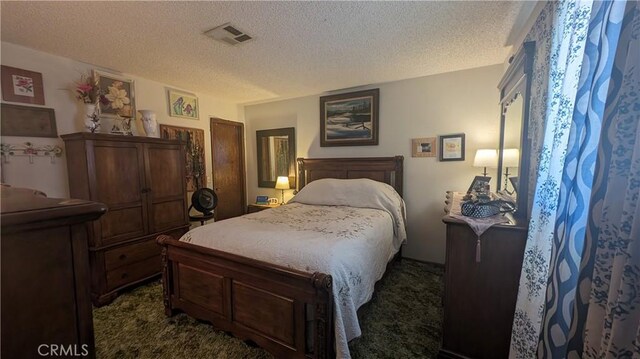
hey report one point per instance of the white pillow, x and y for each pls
(361, 193)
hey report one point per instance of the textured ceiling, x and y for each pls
(299, 48)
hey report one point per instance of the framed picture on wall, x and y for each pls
(423, 147)
(117, 97)
(182, 104)
(452, 147)
(20, 85)
(349, 119)
(28, 121)
(195, 162)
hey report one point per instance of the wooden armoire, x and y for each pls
(142, 181)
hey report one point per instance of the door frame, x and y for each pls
(243, 174)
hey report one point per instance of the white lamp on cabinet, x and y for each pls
(486, 158)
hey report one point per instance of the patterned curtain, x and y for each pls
(571, 22)
(607, 321)
(577, 177)
(584, 44)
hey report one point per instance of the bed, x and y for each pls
(286, 308)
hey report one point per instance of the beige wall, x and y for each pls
(59, 74)
(463, 101)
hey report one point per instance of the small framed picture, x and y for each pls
(117, 97)
(20, 85)
(452, 147)
(423, 147)
(182, 104)
(28, 121)
(479, 183)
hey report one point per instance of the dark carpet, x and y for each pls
(403, 320)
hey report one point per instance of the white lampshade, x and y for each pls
(511, 157)
(486, 158)
(282, 182)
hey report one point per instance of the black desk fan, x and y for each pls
(204, 200)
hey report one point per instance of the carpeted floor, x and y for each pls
(403, 320)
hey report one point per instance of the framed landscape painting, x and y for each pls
(182, 104)
(194, 139)
(349, 119)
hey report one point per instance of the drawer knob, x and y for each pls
(122, 256)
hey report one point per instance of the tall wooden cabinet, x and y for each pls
(480, 296)
(142, 181)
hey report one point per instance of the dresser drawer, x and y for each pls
(131, 253)
(133, 272)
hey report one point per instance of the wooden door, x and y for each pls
(227, 153)
(119, 183)
(166, 186)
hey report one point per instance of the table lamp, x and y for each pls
(282, 183)
(510, 158)
(486, 158)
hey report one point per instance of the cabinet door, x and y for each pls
(119, 182)
(166, 183)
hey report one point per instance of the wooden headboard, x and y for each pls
(382, 169)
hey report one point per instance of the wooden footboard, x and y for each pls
(285, 311)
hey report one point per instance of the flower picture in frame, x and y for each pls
(182, 104)
(349, 119)
(452, 147)
(20, 85)
(423, 147)
(117, 95)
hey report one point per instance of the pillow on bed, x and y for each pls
(361, 193)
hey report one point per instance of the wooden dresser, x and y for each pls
(142, 181)
(45, 274)
(480, 297)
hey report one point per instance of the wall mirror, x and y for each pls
(513, 153)
(276, 156)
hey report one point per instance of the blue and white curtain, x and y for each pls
(581, 73)
(569, 34)
(607, 323)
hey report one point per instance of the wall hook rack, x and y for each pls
(30, 150)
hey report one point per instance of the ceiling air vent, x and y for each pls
(229, 34)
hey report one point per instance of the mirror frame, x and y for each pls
(517, 82)
(287, 131)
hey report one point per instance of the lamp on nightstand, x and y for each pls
(510, 159)
(282, 183)
(486, 158)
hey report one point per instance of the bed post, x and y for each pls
(166, 276)
(323, 341)
(300, 179)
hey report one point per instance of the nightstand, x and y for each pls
(253, 208)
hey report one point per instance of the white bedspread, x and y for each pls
(351, 244)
